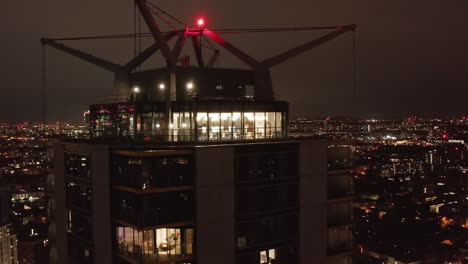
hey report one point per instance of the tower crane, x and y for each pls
(149, 12)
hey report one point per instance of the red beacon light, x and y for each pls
(201, 22)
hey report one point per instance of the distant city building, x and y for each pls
(8, 245)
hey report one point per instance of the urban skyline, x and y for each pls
(144, 132)
(410, 53)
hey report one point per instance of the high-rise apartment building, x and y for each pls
(8, 245)
(191, 165)
(8, 240)
(224, 184)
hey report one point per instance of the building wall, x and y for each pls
(102, 232)
(340, 242)
(8, 245)
(60, 208)
(313, 202)
(5, 203)
(101, 216)
(215, 205)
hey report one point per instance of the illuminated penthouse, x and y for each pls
(190, 164)
(211, 105)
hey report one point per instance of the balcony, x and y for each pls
(143, 172)
(164, 245)
(163, 254)
(340, 184)
(339, 221)
(336, 191)
(340, 249)
(153, 209)
(152, 218)
(340, 241)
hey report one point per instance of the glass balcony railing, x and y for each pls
(336, 191)
(339, 220)
(340, 248)
(164, 252)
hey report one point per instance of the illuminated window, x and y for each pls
(215, 126)
(202, 126)
(260, 125)
(236, 125)
(268, 256)
(226, 126)
(249, 125)
(279, 124)
(155, 243)
(270, 126)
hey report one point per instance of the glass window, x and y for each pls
(77, 165)
(185, 127)
(279, 124)
(260, 125)
(270, 126)
(138, 123)
(102, 123)
(146, 125)
(176, 122)
(124, 120)
(80, 225)
(156, 243)
(226, 126)
(202, 126)
(268, 256)
(249, 125)
(236, 125)
(214, 126)
(78, 195)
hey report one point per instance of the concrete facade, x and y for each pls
(313, 202)
(215, 205)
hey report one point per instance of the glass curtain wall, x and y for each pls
(182, 126)
(239, 125)
(225, 126)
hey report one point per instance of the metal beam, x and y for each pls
(198, 53)
(178, 48)
(138, 60)
(278, 59)
(213, 59)
(155, 31)
(107, 65)
(244, 57)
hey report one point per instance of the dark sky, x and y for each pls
(412, 55)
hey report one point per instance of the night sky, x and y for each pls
(412, 55)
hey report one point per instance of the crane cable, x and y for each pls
(169, 15)
(44, 87)
(355, 78)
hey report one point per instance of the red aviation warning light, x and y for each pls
(200, 22)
